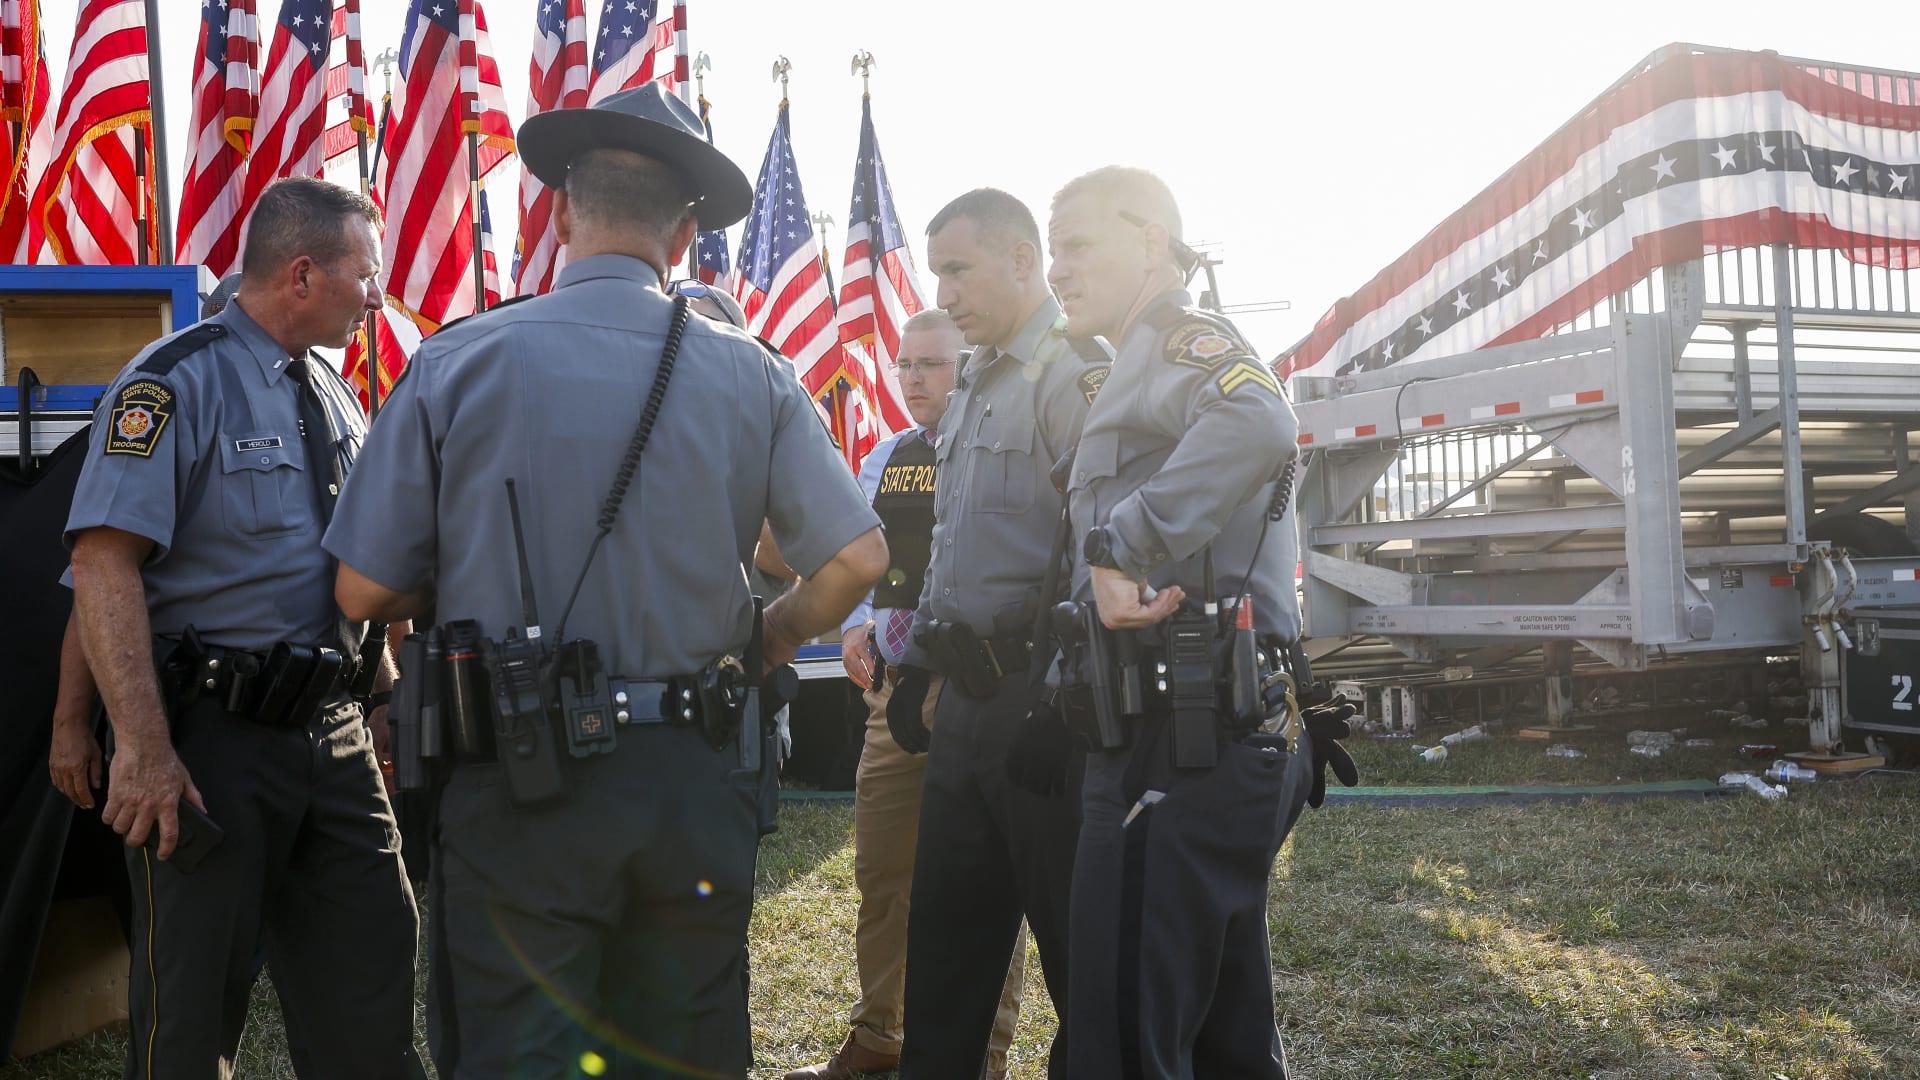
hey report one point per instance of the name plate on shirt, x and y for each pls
(271, 442)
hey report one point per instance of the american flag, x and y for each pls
(349, 113)
(783, 287)
(710, 245)
(293, 97)
(395, 337)
(423, 173)
(634, 36)
(878, 290)
(226, 96)
(89, 198)
(556, 79)
(27, 133)
(1694, 153)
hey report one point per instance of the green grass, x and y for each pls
(1721, 937)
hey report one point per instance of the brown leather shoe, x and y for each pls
(852, 1060)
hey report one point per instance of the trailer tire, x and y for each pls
(1863, 534)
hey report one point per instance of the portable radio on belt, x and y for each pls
(522, 720)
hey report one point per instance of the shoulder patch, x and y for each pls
(1092, 379)
(1200, 344)
(140, 417)
(1248, 372)
(191, 340)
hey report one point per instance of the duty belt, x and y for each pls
(284, 687)
(975, 664)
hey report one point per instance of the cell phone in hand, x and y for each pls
(198, 836)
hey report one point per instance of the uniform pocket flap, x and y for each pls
(1005, 436)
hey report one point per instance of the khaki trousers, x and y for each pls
(886, 825)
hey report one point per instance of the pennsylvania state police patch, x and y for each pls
(140, 417)
(1205, 346)
(1092, 379)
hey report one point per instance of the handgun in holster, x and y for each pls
(957, 653)
(1110, 699)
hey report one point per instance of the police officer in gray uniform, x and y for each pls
(990, 850)
(605, 924)
(1176, 474)
(214, 463)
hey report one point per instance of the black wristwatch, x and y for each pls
(1098, 548)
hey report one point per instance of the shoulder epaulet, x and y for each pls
(1089, 350)
(191, 340)
(509, 302)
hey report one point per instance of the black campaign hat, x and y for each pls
(646, 120)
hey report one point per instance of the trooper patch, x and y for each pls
(140, 417)
(1092, 379)
(1201, 345)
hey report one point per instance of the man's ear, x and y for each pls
(562, 216)
(300, 275)
(1026, 260)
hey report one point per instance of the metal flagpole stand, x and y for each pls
(157, 126)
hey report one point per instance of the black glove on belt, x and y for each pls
(1326, 724)
(1037, 761)
(903, 709)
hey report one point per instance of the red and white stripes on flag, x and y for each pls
(878, 292)
(1698, 152)
(639, 41)
(556, 79)
(293, 97)
(349, 113)
(226, 97)
(90, 198)
(26, 125)
(423, 175)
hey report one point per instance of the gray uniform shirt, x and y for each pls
(1181, 450)
(206, 460)
(547, 391)
(995, 508)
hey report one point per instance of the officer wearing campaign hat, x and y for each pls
(603, 928)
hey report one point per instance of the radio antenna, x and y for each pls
(528, 610)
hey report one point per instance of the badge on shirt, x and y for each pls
(1092, 379)
(139, 418)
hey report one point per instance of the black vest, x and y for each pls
(905, 505)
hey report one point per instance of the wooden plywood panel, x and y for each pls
(78, 339)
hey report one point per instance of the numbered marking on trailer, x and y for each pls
(1903, 701)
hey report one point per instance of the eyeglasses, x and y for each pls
(690, 288)
(904, 368)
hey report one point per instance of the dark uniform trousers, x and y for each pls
(309, 865)
(612, 923)
(1172, 973)
(988, 853)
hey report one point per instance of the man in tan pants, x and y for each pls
(898, 477)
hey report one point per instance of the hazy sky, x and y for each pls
(1314, 142)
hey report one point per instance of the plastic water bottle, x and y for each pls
(1750, 782)
(1564, 751)
(1434, 755)
(1783, 771)
(1464, 735)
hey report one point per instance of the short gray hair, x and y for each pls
(993, 212)
(621, 190)
(302, 215)
(1135, 191)
(932, 318)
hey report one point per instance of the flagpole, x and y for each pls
(157, 124)
(473, 202)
